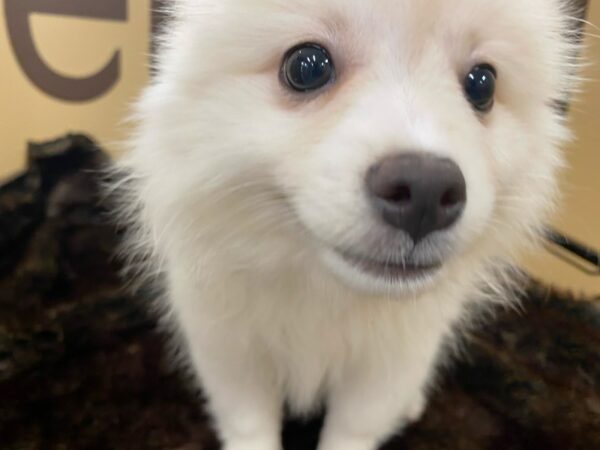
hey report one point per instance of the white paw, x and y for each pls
(256, 443)
(415, 409)
(347, 443)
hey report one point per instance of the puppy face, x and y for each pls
(398, 142)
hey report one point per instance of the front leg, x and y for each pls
(368, 406)
(236, 375)
(243, 399)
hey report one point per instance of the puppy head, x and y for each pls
(398, 142)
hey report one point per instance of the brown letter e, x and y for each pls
(53, 84)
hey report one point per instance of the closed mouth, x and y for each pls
(390, 270)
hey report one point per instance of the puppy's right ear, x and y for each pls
(159, 17)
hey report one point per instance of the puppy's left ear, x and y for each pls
(576, 12)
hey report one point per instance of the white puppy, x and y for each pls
(327, 186)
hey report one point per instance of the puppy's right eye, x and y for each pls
(308, 67)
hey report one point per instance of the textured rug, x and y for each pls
(84, 366)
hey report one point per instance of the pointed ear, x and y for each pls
(158, 17)
(582, 6)
(578, 9)
(577, 12)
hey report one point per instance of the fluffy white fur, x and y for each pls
(240, 191)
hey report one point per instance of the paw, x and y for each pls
(347, 443)
(415, 409)
(253, 443)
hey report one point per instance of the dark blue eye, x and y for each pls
(480, 87)
(308, 67)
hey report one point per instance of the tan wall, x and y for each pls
(78, 47)
(73, 47)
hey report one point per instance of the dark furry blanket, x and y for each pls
(82, 364)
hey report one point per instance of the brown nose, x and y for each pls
(418, 193)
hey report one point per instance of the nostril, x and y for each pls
(452, 197)
(398, 194)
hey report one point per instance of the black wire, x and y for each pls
(576, 248)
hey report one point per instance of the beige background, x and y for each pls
(78, 47)
(74, 47)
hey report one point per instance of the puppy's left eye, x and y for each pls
(308, 67)
(480, 87)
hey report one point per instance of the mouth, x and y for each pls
(390, 270)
